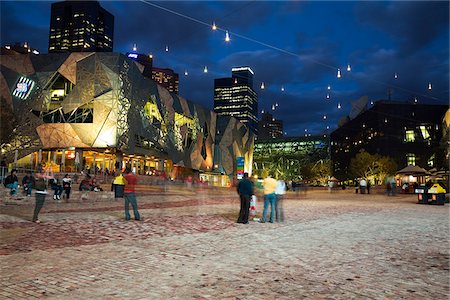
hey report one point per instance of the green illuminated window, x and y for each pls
(409, 136)
(425, 133)
(411, 159)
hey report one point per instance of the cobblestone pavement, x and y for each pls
(332, 246)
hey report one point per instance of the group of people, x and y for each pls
(362, 186)
(274, 191)
(40, 182)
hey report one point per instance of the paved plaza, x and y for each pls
(331, 246)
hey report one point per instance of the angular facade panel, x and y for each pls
(101, 102)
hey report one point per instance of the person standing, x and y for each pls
(28, 183)
(363, 185)
(67, 185)
(369, 185)
(279, 192)
(12, 182)
(130, 196)
(245, 191)
(270, 185)
(40, 193)
(118, 186)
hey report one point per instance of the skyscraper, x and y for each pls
(235, 97)
(269, 127)
(80, 26)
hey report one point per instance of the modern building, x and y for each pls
(18, 48)
(235, 97)
(409, 133)
(80, 26)
(167, 78)
(285, 157)
(145, 62)
(269, 127)
(72, 111)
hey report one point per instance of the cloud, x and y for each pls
(412, 24)
(17, 26)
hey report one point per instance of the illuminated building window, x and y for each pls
(411, 159)
(425, 133)
(431, 161)
(409, 136)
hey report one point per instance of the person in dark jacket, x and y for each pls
(245, 191)
(28, 183)
(12, 182)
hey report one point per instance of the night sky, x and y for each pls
(307, 41)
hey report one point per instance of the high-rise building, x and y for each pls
(167, 78)
(80, 26)
(269, 127)
(235, 97)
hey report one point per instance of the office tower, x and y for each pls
(80, 26)
(269, 127)
(235, 97)
(167, 78)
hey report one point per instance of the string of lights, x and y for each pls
(228, 38)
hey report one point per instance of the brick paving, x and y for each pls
(332, 246)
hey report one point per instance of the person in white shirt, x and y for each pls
(280, 190)
(362, 186)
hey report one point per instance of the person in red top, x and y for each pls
(130, 196)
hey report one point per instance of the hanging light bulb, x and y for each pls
(339, 106)
(273, 107)
(276, 104)
(328, 127)
(227, 37)
(329, 87)
(349, 68)
(415, 99)
(262, 85)
(371, 102)
(205, 70)
(324, 117)
(235, 81)
(167, 48)
(429, 86)
(395, 76)
(186, 73)
(134, 47)
(338, 73)
(282, 88)
(385, 120)
(328, 96)
(214, 27)
(262, 111)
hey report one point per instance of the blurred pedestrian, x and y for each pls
(118, 186)
(363, 185)
(130, 196)
(245, 191)
(28, 182)
(270, 185)
(41, 191)
(67, 185)
(280, 191)
(57, 188)
(12, 182)
(369, 185)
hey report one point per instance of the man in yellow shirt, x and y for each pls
(270, 185)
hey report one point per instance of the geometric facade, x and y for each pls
(102, 102)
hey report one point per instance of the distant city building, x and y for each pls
(269, 127)
(164, 76)
(145, 61)
(167, 78)
(80, 26)
(18, 48)
(409, 133)
(235, 97)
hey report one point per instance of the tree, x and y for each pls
(366, 165)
